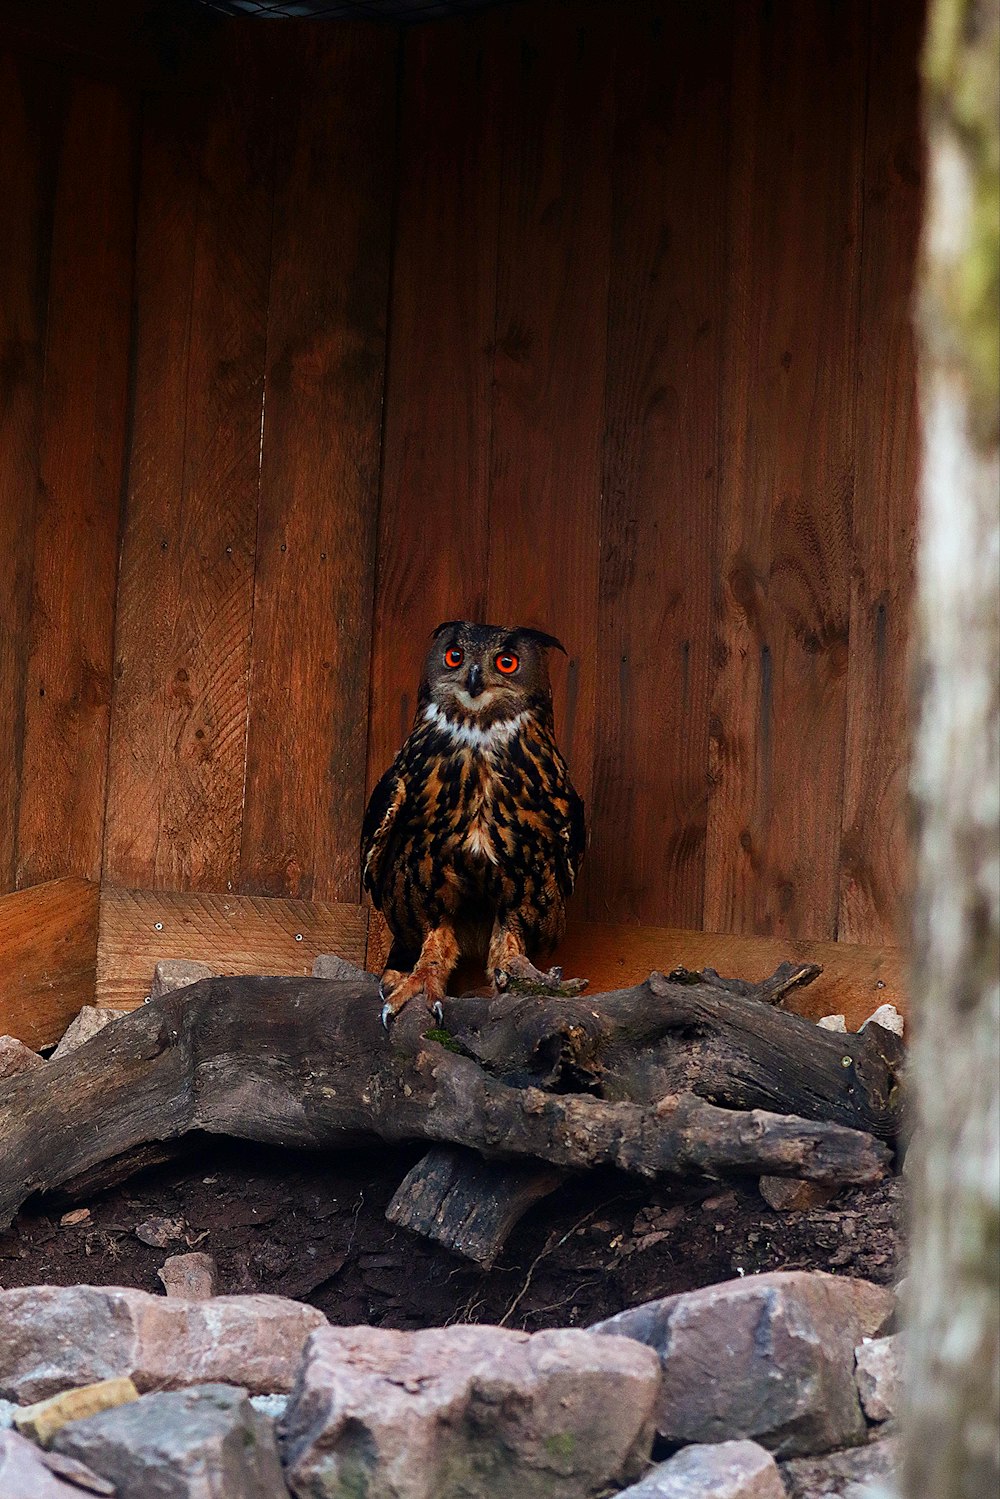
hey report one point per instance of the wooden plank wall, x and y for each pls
(694, 383)
(240, 710)
(783, 548)
(65, 293)
(581, 315)
(186, 585)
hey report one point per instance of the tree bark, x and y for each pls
(455, 1198)
(670, 1036)
(953, 1427)
(305, 1062)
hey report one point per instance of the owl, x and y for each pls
(473, 837)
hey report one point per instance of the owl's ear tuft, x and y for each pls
(547, 642)
(449, 624)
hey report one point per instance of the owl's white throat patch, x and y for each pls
(470, 734)
(475, 704)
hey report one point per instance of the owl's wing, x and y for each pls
(574, 837)
(381, 814)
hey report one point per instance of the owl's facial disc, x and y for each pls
(486, 676)
(468, 680)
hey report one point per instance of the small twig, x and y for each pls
(354, 1226)
(466, 1313)
(554, 1306)
(550, 1244)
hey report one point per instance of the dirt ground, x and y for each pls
(313, 1228)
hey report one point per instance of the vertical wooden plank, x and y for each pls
(784, 536)
(138, 42)
(552, 308)
(61, 814)
(319, 482)
(48, 958)
(661, 457)
(179, 715)
(433, 516)
(30, 105)
(874, 854)
(139, 750)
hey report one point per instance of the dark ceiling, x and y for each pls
(339, 10)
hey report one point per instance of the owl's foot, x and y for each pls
(409, 986)
(520, 976)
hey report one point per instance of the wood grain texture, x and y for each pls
(874, 850)
(661, 457)
(433, 534)
(82, 430)
(30, 107)
(551, 321)
(128, 42)
(48, 954)
(315, 561)
(784, 535)
(378, 943)
(232, 933)
(179, 716)
(854, 982)
(740, 321)
(604, 276)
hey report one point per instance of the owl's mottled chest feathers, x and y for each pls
(486, 823)
(483, 798)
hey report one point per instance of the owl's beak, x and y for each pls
(474, 681)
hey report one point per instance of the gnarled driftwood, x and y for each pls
(663, 1078)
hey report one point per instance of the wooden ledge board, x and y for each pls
(854, 981)
(232, 933)
(48, 954)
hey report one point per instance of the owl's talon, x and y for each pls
(387, 1012)
(437, 1010)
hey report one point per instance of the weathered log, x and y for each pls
(771, 991)
(467, 1204)
(305, 1062)
(119, 1168)
(470, 1206)
(674, 1037)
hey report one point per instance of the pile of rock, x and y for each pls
(778, 1386)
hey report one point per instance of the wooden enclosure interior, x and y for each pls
(587, 316)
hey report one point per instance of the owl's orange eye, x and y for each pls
(507, 663)
(454, 657)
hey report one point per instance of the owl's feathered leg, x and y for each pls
(429, 978)
(514, 973)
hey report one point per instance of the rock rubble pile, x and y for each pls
(778, 1386)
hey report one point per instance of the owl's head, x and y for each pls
(484, 674)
